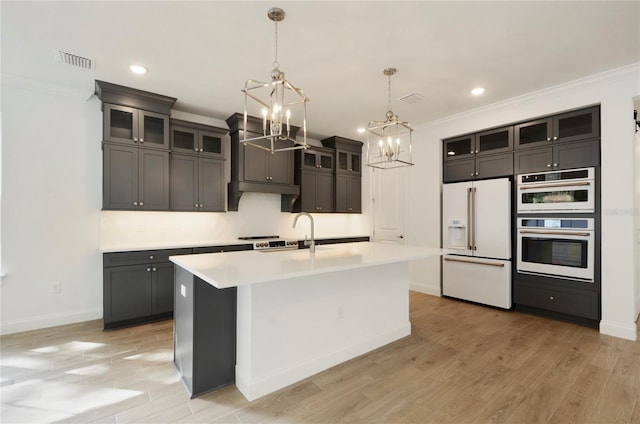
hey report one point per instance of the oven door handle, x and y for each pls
(496, 264)
(537, 186)
(559, 233)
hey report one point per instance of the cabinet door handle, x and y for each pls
(548, 165)
(477, 174)
(196, 205)
(154, 269)
(148, 269)
(196, 149)
(201, 205)
(555, 138)
(555, 164)
(551, 298)
(135, 139)
(349, 169)
(150, 256)
(477, 151)
(349, 209)
(548, 138)
(471, 175)
(142, 140)
(135, 203)
(141, 203)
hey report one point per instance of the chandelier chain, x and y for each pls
(276, 64)
(389, 95)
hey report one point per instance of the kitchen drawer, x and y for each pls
(220, 249)
(576, 303)
(141, 257)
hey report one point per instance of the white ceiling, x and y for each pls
(202, 52)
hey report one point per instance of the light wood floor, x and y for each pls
(462, 364)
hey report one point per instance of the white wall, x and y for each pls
(637, 210)
(52, 225)
(614, 90)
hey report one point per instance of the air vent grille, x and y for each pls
(73, 59)
(413, 98)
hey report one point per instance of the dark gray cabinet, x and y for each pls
(135, 148)
(138, 286)
(202, 140)
(315, 176)
(490, 166)
(197, 183)
(135, 178)
(487, 142)
(258, 170)
(123, 124)
(204, 336)
(487, 154)
(558, 156)
(348, 173)
(576, 125)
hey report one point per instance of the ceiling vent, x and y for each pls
(73, 59)
(412, 98)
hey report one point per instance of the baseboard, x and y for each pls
(421, 288)
(637, 307)
(284, 377)
(616, 329)
(50, 320)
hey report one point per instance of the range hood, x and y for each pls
(257, 170)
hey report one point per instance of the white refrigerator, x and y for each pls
(476, 231)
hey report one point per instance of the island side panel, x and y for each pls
(291, 329)
(204, 333)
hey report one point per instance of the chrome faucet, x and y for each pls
(312, 245)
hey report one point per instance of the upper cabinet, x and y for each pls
(193, 138)
(314, 172)
(348, 173)
(123, 124)
(576, 125)
(135, 148)
(134, 117)
(488, 142)
(487, 154)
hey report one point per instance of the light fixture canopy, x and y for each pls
(389, 142)
(276, 101)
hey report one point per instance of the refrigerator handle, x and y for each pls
(473, 218)
(469, 219)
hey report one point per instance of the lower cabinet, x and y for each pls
(138, 286)
(559, 298)
(204, 336)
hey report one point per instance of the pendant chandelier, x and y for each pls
(389, 141)
(277, 102)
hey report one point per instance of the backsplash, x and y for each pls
(259, 214)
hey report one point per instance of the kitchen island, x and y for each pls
(265, 320)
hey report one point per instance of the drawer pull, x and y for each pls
(497, 264)
(551, 298)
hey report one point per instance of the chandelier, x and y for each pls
(276, 102)
(389, 141)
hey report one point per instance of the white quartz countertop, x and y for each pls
(232, 269)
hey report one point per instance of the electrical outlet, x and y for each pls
(56, 287)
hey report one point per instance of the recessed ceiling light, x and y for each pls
(361, 130)
(138, 69)
(477, 91)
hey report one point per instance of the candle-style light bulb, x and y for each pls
(381, 145)
(288, 113)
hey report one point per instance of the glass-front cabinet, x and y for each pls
(488, 142)
(124, 124)
(566, 127)
(190, 138)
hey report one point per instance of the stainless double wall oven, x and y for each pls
(555, 228)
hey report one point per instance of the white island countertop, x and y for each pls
(232, 269)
